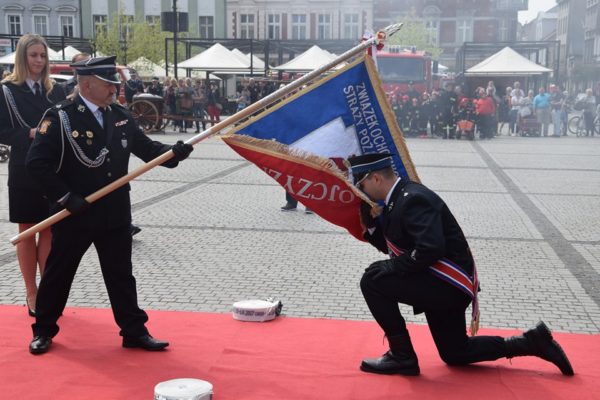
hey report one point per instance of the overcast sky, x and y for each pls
(535, 6)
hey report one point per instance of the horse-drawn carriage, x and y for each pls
(149, 112)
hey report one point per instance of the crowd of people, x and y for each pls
(192, 102)
(450, 113)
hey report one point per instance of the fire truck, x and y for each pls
(398, 66)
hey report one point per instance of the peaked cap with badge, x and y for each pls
(103, 68)
(363, 164)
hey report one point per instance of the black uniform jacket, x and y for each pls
(31, 109)
(55, 160)
(418, 221)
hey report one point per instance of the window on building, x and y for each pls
(274, 26)
(126, 26)
(99, 24)
(351, 26)
(153, 19)
(67, 25)
(206, 26)
(464, 30)
(40, 24)
(298, 26)
(247, 26)
(14, 24)
(503, 26)
(324, 26)
(433, 31)
(431, 20)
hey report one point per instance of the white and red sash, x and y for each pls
(454, 275)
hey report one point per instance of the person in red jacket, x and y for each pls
(485, 107)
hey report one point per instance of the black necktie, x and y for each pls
(37, 90)
(104, 112)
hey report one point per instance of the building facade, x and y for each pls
(591, 52)
(570, 33)
(450, 23)
(298, 19)
(543, 27)
(205, 17)
(48, 17)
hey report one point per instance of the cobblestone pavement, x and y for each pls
(212, 233)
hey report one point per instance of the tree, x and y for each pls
(107, 40)
(130, 40)
(147, 40)
(414, 33)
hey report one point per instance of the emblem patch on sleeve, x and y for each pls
(44, 126)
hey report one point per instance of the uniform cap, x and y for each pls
(103, 68)
(365, 163)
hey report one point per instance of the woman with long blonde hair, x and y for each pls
(26, 94)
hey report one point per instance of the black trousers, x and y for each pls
(69, 244)
(444, 307)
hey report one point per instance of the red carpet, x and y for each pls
(285, 359)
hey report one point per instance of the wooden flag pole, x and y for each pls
(245, 113)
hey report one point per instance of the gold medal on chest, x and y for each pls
(75, 134)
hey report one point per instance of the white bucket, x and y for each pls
(255, 310)
(183, 389)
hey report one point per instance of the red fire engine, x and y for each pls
(398, 67)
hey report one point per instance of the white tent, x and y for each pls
(257, 63)
(70, 52)
(10, 58)
(217, 59)
(182, 72)
(506, 62)
(311, 59)
(146, 68)
(241, 56)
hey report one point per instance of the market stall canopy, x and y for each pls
(217, 59)
(506, 62)
(181, 73)
(257, 62)
(70, 52)
(311, 59)
(146, 68)
(10, 58)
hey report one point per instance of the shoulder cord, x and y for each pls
(12, 108)
(79, 153)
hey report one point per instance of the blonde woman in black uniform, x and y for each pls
(26, 94)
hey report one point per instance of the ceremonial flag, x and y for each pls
(303, 141)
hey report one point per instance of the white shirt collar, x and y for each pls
(93, 108)
(31, 82)
(387, 198)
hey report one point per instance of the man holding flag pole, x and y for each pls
(81, 145)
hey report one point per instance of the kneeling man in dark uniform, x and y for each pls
(430, 268)
(82, 145)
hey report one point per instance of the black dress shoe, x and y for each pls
(145, 342)
(40, 344)
(134, 230)
(389, 364)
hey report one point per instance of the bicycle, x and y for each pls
(576, 125)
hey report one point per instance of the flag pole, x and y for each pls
(245, 113)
